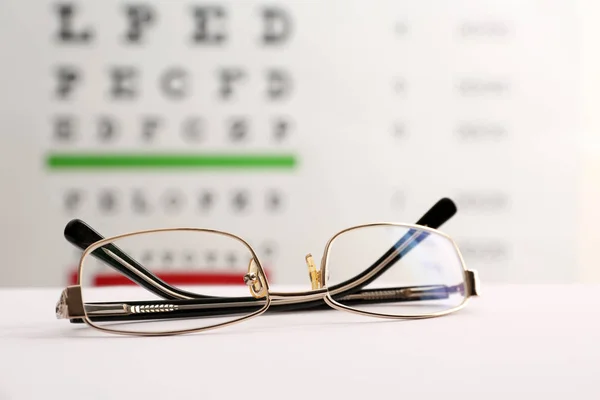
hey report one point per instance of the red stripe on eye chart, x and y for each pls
(173, 278)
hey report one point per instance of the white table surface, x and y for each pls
(513, 342)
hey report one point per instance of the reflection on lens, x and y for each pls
(395, 270)
(171, 280)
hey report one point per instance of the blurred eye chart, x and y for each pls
(285, 122)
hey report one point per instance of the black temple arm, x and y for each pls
(211, 307)
(439, 214)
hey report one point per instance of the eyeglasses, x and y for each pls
(118, 294)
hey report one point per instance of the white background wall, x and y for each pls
(378, 127)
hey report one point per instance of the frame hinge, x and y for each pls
(70, 304)
(473, 285)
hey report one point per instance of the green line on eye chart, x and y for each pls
(117, 161)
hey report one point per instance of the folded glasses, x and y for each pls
(116, 293)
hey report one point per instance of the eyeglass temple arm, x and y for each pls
(176, 309)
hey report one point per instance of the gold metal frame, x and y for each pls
(338, 306)
(257, 267)
(71, 304)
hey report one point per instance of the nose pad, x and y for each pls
(255, 281)
(313, 274)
